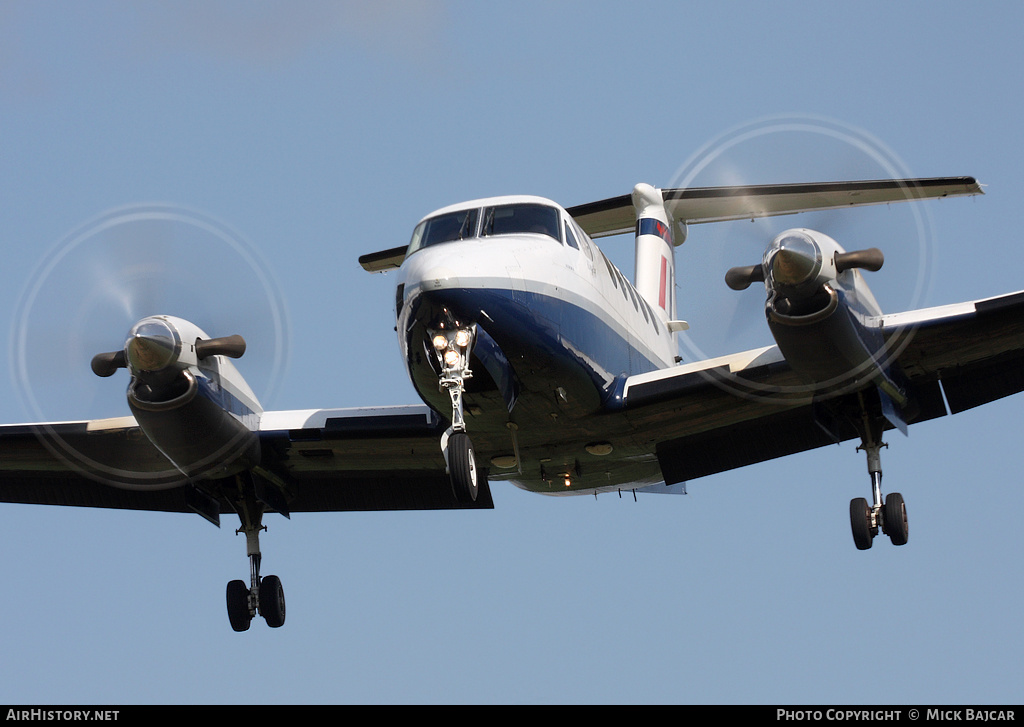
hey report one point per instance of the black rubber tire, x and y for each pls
(238, 605)
(462, 468)
(895, 518)
(860, 523)
(272, 601)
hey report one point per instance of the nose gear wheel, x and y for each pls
(462, 467)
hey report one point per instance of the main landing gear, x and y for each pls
(263, 595)
(452, 343)
(890, 515)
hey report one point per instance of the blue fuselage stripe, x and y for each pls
(538, 326)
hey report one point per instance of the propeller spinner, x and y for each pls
(794, 259)
(155, 343)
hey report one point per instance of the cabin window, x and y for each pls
(611, 270)
(459, 225)
(512, 219)
(585, 242)
(622, 281)
(654, 321)
(570, 238)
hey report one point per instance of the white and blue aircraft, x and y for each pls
(539, 363)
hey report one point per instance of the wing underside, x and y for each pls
(699, 419)
(363, 459)
(325, 460)
(717, 415)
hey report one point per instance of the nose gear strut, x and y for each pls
(452, 344)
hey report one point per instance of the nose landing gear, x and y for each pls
(452, 343)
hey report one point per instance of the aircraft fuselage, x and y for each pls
(559, 330)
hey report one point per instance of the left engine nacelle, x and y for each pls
(187, 398)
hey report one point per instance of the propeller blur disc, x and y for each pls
(780, 150)
(124, 265)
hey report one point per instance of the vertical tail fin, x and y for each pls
(655, 252)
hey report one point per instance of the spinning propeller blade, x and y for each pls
(230, 346)
(121, 267)
(780, 151)
(870, 259)
(106, 364)
(741, 278)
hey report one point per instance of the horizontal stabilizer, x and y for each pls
(616, 215)
(378, 262)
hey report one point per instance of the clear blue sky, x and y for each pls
(323, 130)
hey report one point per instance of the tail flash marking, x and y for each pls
(651, 226)
(654, 251)
(664, 279)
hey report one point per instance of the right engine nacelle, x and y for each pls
(819, 308)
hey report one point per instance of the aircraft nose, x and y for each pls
(430, 270)
(439, 278)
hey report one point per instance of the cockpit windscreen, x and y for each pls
(510, 219)
(459, 225)
(505, 219)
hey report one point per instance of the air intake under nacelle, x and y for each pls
(172, 394)
(198, 435)
(823, 341)
(802, 310)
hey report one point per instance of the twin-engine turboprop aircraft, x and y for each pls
(538, 362)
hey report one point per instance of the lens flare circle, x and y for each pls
(771, 132)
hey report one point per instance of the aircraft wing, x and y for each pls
(976, 350)
(616, 215)
(362, 459)
(724, 413)
(331, 460)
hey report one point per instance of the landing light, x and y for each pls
(452, 346)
